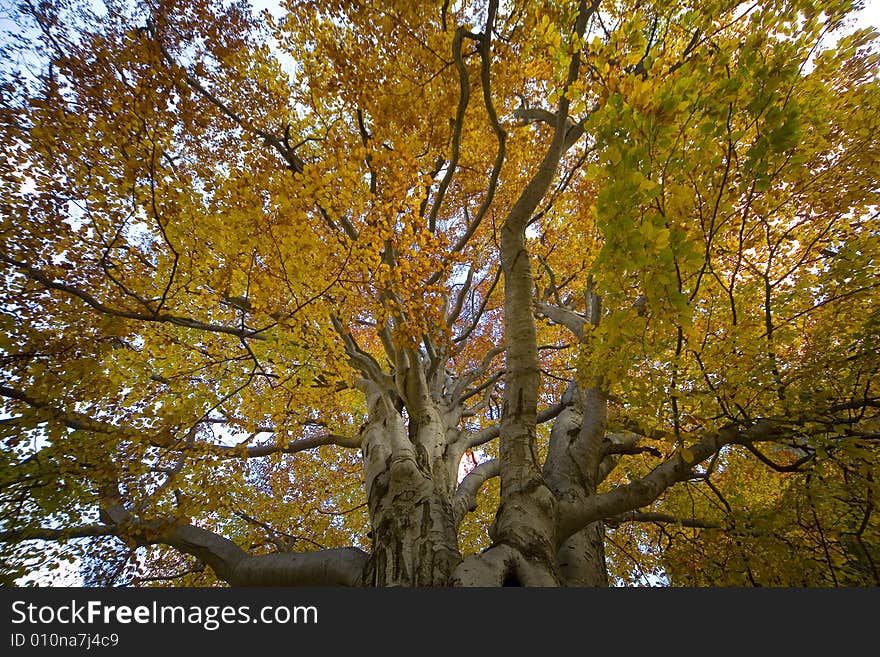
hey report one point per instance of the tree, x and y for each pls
(472, 293)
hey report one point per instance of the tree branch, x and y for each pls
(576, 513)
(564, 316)
(490, 433)
(500, 133)
(37, 275)
(258, 451)
(791, 467)
(629, 446)
(662, 518)
(332, 567)
(82, 422)
(76, 421)
(335, 567)
(465, 498)
(457, 125)
(48, 534)
(464, 335)
(294, 162)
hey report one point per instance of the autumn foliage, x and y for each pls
(474, 293)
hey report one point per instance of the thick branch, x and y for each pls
(465, 498)
(535, 115)
(331, 567)
(630, 447)
(577, 513)
(525, 519)
(338, 567)
(564, 316)
(335, 567)
(360, 359)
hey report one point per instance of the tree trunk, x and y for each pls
(410, 503)
(582, 557)
(414, 537)
(571, 471)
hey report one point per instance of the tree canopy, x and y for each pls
(440, 293)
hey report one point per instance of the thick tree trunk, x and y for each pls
(582, 557)
(525, 519)
(525, 525)
(571, 471)
(410, 503)
(414, 538)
